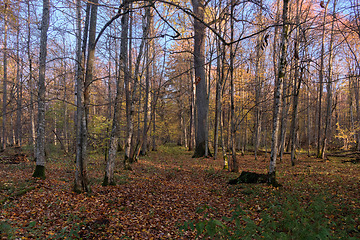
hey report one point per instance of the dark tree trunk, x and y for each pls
(200, 81)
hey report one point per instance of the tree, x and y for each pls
(40, 140)
(233, 164)
(321, 79)
(329, 86)
(277, 93)
(114, 137)
(200, 81)
(126, 75)
(83, 101)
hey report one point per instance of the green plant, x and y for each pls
(6, 230)
(285, 218)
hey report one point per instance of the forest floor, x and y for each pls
(170, 195)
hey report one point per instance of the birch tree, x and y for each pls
(277, 93)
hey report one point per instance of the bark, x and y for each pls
(5, 80)
(201, 89)
(65, 117)
(275, 55)
(81, 176)
(19, 84)
(296, 87)
(277, 94)
(31, 83)
(293, 131)
(78, 63)
(124, 61)
(149, 22)
(218, 96)
(115, 130)
(308, 127)
(284, 116)
(329, 87)
(357, 107)
(321, 82)
(135, 149)
(40, 140)
(153, 116)
(258, 82)
(192, 112)
(233, 164)
(223, 147)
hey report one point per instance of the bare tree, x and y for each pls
(200, 81)
(83, 100)
(40, 140)
(114, 137)
(329, 87)
(5, 80)
(321, 80)
(277, 93)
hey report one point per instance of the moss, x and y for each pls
(39, 172)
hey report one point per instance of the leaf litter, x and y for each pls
(163, 191)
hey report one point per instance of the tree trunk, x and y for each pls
(31, 83)
(308, 127)
(233, 164)
(149, 22)
(223, 147)
(115, 131)
(81, 176)
(321, 82)
(357, 107)
(293, 131)
(258, 80)
(329, 87)
(218, 96)
(124, 61)
(277, 94)
(296, 87)
(40, 140)
(192, 112)
(4, 104)
(284, 116)
(19, 71)
(201, 89)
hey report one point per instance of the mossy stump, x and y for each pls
(250, 177)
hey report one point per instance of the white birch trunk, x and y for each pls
(277, 94)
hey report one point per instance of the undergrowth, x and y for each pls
(284, 217)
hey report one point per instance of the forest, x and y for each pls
(180, 119)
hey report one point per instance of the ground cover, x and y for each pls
(170, 195)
